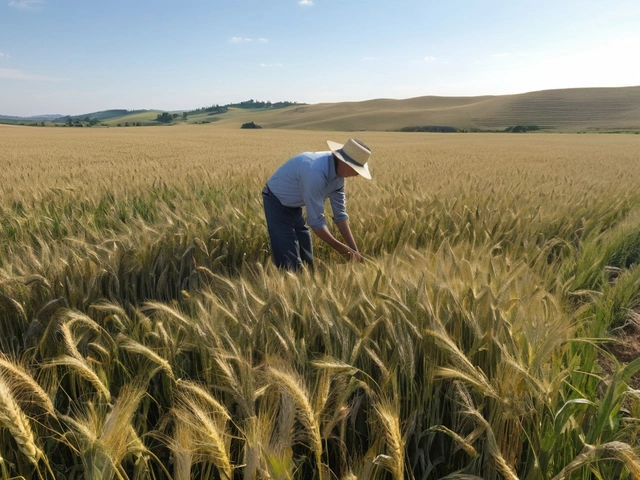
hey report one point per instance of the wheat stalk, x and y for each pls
(23, 380)
(13, 419)
(132, 346)
(291, 385)
(118, 436)
(80, 367)
(393, 460)
(191, 390)
(207, 438)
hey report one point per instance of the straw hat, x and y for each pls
(354, 153)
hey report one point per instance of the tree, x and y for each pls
(165, 117)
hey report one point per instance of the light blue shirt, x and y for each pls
(307, 180)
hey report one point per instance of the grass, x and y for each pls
(146, 334)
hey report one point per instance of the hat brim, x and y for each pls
(362, 170)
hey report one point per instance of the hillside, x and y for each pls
(568, 110)
(586, 109)
(145, 117)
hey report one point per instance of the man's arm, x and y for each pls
(348, 252)
(345, 231)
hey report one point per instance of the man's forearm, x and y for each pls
(345, 231)
(348, 252)
(333, 242)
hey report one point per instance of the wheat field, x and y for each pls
(145, 333)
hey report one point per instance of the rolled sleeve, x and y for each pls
(338, 205)
(312, 191)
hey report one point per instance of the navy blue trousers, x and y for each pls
(288, 233)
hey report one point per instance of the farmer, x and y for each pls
(308, 179)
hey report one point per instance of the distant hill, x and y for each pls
(570, 110)
(35, 118)
(100, 116)
(567, 110)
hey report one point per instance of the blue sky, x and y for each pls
(80, 56)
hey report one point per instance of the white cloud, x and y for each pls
(306, 3)
(271, 65)
(499, 55)
(4, 55)
(430, 58)
(26, 4)
(12, 74)
(368, 59)
(247, 40)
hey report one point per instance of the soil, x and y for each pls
(625, 348)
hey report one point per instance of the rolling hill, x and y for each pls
(571, 110)
(567, 110)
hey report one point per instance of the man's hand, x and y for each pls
(352, 256)
(348, 253)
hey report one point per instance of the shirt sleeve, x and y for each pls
(313, 194)
(339, 205)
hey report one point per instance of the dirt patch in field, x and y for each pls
(625, 348)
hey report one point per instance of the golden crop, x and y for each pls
(146, 334)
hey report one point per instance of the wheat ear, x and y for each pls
(13, 419)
